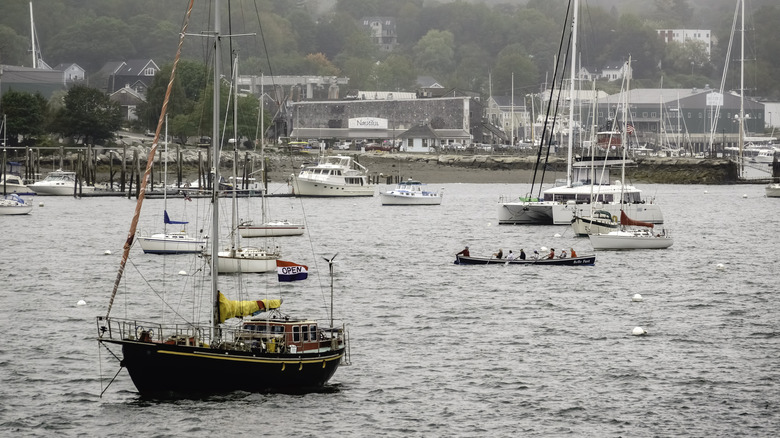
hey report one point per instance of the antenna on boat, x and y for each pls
(330, 267)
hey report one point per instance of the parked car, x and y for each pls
(379, 147)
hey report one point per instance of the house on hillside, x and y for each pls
(128, 99)
(135, 74)
(684, 35)
(382, 31)
(616, 70)
(72, 73)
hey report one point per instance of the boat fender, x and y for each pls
(323, 364)
(614, 218)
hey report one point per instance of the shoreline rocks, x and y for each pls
(428, 168)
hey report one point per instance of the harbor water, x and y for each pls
(437, 349)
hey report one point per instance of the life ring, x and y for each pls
(614, 218)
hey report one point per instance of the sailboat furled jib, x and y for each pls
(235, 308)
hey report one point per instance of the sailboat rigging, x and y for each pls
(267, 228)
(176, 242)
(559, 204)
(238, 258)
(625, 237)
(270, 351)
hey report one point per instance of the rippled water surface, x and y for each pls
(437, 349)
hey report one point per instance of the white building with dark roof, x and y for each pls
(684, 35)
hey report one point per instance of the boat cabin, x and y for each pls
(609, 139)
(285, 336)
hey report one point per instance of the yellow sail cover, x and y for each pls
(233, 308)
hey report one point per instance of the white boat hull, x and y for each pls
(773, 190)
(13, 205)
(10, 210)
(629, 240)
(271, 229)
(390, 198)
(59, 189)
(246, 260)
(556, 213)
(585, 225)
(305, 187)
(526, 213)
(172, 243)
(14, 186)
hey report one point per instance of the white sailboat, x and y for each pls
(266, 227)
(11, 188)
(237, 258)
(558, 205)
(170, 242)
(265, 351)
(633, 234)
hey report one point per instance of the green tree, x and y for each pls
(13, 47)
(435, 52)
(633, 37)
(470, 72)
(188, 86)
(92, 41)
(319, 65)
(88, 114)
(395, 73)
(767, 48)
(514, 60)
(687, 58)
(25, 114)
(673, 13)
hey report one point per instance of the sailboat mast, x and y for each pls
(571, 90)
(512, 136)
(32, 39)
(742, 93)
(215, 173)
(234, 208)
(165, 178)
(623, 133)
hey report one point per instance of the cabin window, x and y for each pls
(313, 332)
(305, 332)
(644, 114)
(652, 114)
(296, 333)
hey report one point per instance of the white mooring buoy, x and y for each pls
(556, 235)
(40, 204)
(182, 272)
(720, 267)
(639, 331)
(107, 252)
(636, 297)
(744, 196)
(81, 303)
